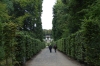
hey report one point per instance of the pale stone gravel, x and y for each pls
(45, 58)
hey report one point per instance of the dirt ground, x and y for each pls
(45, 58)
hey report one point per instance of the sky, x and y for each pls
(47, 14)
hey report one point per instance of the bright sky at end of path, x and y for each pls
(47, 14)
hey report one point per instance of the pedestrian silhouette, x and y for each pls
(50, 48)
(55, 47)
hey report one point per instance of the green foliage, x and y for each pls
(81, 46)
(68, 15)
(65, 1)
(93, 11)
(83, 43)
(2, 53)
(26, 47)
(9, 32)
(59, 20)
(27, 14)
(9, 6)
(91, 28)
(3, 13)
(1, 33)
(19, 38)
(92, 34)
(78, 23)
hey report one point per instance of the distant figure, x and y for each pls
(55, 47)
(50, 48)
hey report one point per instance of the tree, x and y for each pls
(59, 20)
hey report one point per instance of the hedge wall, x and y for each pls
(27, 47)
(2, 53)
(83, 45)
(17, 48)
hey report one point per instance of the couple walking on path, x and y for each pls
(50, 48)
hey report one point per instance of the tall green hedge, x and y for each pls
(19, 38)
(27, 47)
(20, 48)
(2, 53)
(91, 35)
(83, 45)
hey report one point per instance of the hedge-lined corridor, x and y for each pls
(75, 30)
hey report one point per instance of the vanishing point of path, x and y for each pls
(45, 58)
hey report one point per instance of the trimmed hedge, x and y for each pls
(27, 47)
(2, 53)
(17, 47)
(83, 45)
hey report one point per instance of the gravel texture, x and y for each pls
(45, 58)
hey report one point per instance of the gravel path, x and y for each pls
(45, 58)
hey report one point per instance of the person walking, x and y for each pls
(50, 48)
(55, 48)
